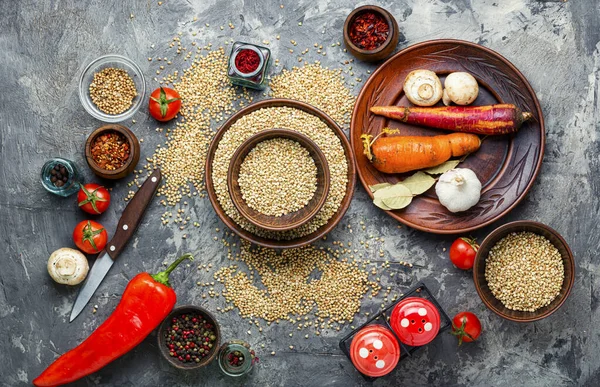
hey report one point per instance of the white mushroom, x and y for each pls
(460, 88)
(68, 266)
(458, 189)
(423, 87)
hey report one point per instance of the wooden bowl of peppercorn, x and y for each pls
(517, 252)
(112, 151)
(371, 33)
(197, 332)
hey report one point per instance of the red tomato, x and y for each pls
(374, 351)
(164, 104)
(415, 320)
(466, 326)
(89, 236)
(463, 252)
(93, 198)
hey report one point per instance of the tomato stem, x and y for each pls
(91, 197)
(460, 332)
(89, 234)
(163, 102)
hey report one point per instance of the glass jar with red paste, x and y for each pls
(248, 65)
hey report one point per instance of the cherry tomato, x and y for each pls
(415, 320)
(89, 236)
(466, 326)
(164, 104)
(93, 198)
(374, 351)
(463, 252)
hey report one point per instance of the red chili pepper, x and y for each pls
(146, 301)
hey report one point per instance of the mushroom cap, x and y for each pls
(423, 87)
(460, 88)
(68, 266)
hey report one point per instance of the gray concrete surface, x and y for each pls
(46, 44)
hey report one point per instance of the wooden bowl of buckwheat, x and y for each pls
(278, 179)
(524, 271)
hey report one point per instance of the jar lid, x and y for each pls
(374, 351)
(415, 320)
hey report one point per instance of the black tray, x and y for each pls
(383, 317)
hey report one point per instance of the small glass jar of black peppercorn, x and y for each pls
(248, 65)
(60, 176)
(236, 358)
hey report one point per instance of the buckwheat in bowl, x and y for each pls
(524, 271)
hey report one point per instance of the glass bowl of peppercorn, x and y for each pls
(371, 33)
(112, 88)
(112, 151)
(189, 337)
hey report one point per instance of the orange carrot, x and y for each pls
(399, 154)
(488, 120)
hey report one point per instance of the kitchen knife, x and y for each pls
(130, 220)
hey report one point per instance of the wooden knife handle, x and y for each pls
(133, 214)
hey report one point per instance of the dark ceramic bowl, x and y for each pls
(386, 48)
(481, 283)
(293, 219)
(164, 326)
(134, 152)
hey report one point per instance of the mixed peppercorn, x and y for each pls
(110, 150)
(190, 337)
(59, 175)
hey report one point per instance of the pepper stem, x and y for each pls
(163, 276)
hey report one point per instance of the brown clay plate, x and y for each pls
(506, 165)
(281, 244)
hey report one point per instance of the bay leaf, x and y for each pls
(418, 183)
(396, 196)
(442, 168)
(391, 191)
(379, 203)
(379, 186)
(397, 202)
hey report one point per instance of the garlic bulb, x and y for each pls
(68, 266)
(460, 88)
(423, 88)
(458, 189)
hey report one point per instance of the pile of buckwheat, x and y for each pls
(320, 87)
(525, 271)
(206, 95)
(277, 177)
(290, 290)
(112, 90)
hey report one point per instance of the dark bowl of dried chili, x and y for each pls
(370, 33)
(112, 151)
(189, 337)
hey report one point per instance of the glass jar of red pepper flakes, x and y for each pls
(248, 65)
(236, 358)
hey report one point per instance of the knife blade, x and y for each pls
(128, 223)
